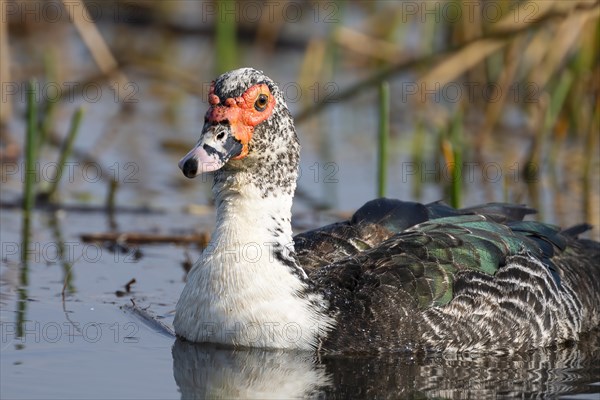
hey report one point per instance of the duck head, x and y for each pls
(247, 120)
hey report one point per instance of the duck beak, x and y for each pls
(216, 146)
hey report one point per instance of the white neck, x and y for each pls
(246, 289)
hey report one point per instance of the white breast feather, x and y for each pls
(239, 293)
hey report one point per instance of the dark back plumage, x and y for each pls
(431, 276)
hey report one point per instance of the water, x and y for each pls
(67, 329)
(93, 345)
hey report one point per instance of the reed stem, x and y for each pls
(225, 39)
(383, 137)
(66, 150)
(456, 134)
(30, 159)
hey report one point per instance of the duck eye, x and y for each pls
(261, 103)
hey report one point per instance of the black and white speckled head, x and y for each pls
(248, 136)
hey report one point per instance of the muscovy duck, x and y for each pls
(396, 276)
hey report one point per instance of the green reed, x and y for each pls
(30, 160)
(225, 38)
(383, 138)
(417, 150)
(65, 151)
(456, 143)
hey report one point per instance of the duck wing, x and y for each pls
(464, 282)
(380, 219)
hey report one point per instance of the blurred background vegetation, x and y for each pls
(465, 101)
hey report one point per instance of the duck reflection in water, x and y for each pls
(213, 371)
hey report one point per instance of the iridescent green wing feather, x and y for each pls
(377, 221)
(423, 261)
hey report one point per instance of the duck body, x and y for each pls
(397, 276)
(473, 280)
